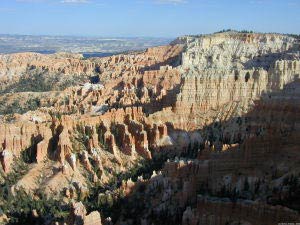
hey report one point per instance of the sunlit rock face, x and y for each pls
(227, 102)
(236, 51)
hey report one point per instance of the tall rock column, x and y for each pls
(6, 160)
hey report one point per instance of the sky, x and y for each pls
(146, 18)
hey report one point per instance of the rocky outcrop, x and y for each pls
(79, 216)
(92, 219)
(78, 213)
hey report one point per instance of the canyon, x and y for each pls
(205, 130)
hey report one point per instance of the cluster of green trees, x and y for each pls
(232, 30)
(19, 208)
(109, 200)
(36, 82)
(18, 205)
(42, 81)
(292, 200)
(297, 36)
(192, 150)
(17, 107)
(234, 194)
(101, 129)
(116, 132)
(80, 139)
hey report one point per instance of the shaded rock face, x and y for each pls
(220, 211)
(227, 102)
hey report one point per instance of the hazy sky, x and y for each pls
(154, 18)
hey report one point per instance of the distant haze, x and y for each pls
(89, 46)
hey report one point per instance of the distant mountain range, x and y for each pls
(90, 46)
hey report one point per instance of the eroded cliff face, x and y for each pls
(228, 103)
(233, 185)
(223, 74)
